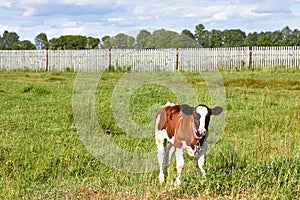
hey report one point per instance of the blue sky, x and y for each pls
(94, 18)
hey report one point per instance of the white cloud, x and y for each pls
(147, 18)
(5, 3)
(222, 16)
(109, 17)
(192, 15)
(70, 24)
(8, 27)
(139, 10)
(116, 19)
(271, 6)
(29, 12)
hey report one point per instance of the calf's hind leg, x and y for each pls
(161, 145)
(179, 165)
(167, 158)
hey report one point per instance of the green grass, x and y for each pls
(42, 156)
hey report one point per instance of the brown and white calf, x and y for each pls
(185, 128)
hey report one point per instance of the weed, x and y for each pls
(37, 89)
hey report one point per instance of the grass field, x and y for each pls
(42, 157)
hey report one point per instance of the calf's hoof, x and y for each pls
(177, 183)
(161, 178)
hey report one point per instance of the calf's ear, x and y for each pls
(216, 110)
(186, 109)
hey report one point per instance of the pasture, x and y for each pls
(42, 156)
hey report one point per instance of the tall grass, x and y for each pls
(42, 157)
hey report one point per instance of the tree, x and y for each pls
(202, 35)
(92, 43)
(233, 38)
(265, 38)
(150, 44)
(8, 39)
(123, 41)
(252, 39)
(214, 39)
(106, 42)
(276, 39)
(183, 41)
(287, 36)
(23, 45)
(163, 38)
(1, 43)
(144, 40)
(54, 44)
(68, 42)
(188, 33)
(73, 42)
(296, 38)
(41, 41)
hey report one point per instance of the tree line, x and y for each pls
(158, 39)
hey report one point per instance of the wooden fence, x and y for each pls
(77, 60)
(201, 59)
(278, 57)
(16, 60)
(189, 59)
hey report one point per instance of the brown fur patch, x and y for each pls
(177, 124)
(169, 116)
(185, 131)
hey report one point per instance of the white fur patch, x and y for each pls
(202, 111)
(189, 149)
(169, 104)
(160, 135)
(156, 123)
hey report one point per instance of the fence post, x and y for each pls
(109, 58)
(47, 60)
(250, 59)
(177, 60)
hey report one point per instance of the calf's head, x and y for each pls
(201, 115)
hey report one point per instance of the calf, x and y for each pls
(186, 128)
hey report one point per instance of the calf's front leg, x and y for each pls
(179, 165)
(201, 157)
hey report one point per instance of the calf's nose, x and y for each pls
(202, 132)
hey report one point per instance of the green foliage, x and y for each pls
(233, 38)
(237, 37)
(144, 40)
(252, 39)
(160, 38)
(92, 43)
(73, 42)
(123, 41)
(106, 42)
(10, 41)
(42, 156)
(41, 41)
(23, 45)
(188, 33)
(164, 39)
(117, 69)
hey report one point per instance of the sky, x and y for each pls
(97, 18)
